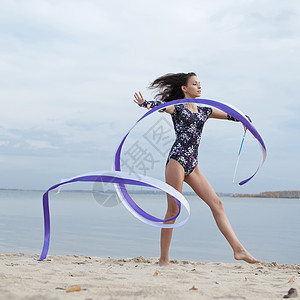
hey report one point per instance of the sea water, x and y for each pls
(93, 225)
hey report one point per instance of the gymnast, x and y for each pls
(182, 161)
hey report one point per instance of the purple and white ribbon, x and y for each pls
(119, 178)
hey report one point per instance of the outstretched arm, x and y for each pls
(218, 114)
(139, 99)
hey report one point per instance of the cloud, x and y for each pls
(37, 144)
(69, 69)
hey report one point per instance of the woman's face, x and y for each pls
(193, 88)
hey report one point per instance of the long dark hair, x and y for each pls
(169, 86)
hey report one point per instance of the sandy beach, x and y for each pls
(23, 277)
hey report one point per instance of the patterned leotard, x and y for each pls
(188, 129)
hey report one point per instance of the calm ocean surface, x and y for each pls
(269, 228)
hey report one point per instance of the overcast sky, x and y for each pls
(69, 70)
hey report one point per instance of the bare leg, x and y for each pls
(204, 190)
(174, 177)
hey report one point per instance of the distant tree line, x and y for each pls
(276, 194)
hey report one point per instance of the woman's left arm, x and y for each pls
(218, 114)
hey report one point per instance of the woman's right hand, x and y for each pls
(139, 99)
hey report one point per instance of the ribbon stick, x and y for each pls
(239, 154)
(119, 178)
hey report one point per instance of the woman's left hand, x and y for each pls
(249, 119)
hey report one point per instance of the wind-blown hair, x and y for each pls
(169, 86)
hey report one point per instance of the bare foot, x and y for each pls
(246, 256)
(163, 263)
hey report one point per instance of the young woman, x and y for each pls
(182, 163)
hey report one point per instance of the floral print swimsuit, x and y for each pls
(188, 129)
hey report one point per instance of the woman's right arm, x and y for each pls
(139, 99)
